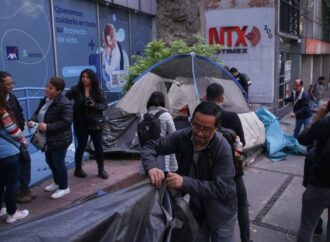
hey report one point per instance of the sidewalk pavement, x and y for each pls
(274, 192)
(122, 173)
(275, 196)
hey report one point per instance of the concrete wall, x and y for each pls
(317, 66)
(326, 67)
(307, 69)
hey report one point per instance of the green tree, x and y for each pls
(158, 50)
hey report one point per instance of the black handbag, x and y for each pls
(23, 152)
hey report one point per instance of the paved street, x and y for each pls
(274, 191)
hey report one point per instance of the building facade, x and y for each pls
(44, 38)
(273, 41)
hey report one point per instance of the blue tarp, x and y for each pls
(279, 144)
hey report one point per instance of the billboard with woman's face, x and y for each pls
(115, 49)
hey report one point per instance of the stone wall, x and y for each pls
(180, 19)
(223, 4)
(183, 19)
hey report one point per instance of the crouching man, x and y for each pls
(206, 171)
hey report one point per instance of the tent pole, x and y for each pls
(193, 55)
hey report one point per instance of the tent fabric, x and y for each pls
(279, 144)
(254, 131)
(138, 213)
(120, 136)
(183, 80)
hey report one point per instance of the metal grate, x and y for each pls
(289, 17)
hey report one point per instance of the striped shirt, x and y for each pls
(11, 128)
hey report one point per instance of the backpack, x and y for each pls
(149, 127)
(230, 136)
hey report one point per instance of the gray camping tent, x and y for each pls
(183, 80)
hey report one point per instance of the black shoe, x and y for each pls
(318, 230)
(31, 194)
(23, 197)
(80, 173)
(103, 174)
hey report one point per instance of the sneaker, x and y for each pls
(60, 193)
(3, 211)
(52, 187)
(103, 174)
(80, 173)
(23, 197)
(19, 214)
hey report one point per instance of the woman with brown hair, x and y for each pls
(10, 139)
(54, 119)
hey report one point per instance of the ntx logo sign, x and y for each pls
(235, 38)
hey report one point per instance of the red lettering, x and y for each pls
(213, 35)
(240, 36)
(215, 38)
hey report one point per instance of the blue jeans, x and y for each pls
(9, 172)
(314, 201)
(299, 123)
(56, 162)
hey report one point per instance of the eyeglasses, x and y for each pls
(199, 128)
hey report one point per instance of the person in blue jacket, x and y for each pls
(11, 138)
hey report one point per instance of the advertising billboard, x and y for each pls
(114, 50)
(26, 42)
(248, 43)
(76, 38)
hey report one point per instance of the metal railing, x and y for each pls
(27, 98)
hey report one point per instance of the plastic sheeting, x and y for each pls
(279, 144)
(139, 213)
(120, 136)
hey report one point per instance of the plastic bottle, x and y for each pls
(238, 145)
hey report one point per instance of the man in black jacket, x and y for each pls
(301, 108)
(230, 120)
(317, 195)
(242, 78)
(206, 171)
(24, 195)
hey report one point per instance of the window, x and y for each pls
(289, 17)
(326, 20)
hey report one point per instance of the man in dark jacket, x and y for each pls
(230, 120)
(206, 171)
(301, 108)
(317, 195)
(242, 78)
(24, 195)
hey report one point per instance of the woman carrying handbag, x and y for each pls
(88, 120)
(53, 119)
